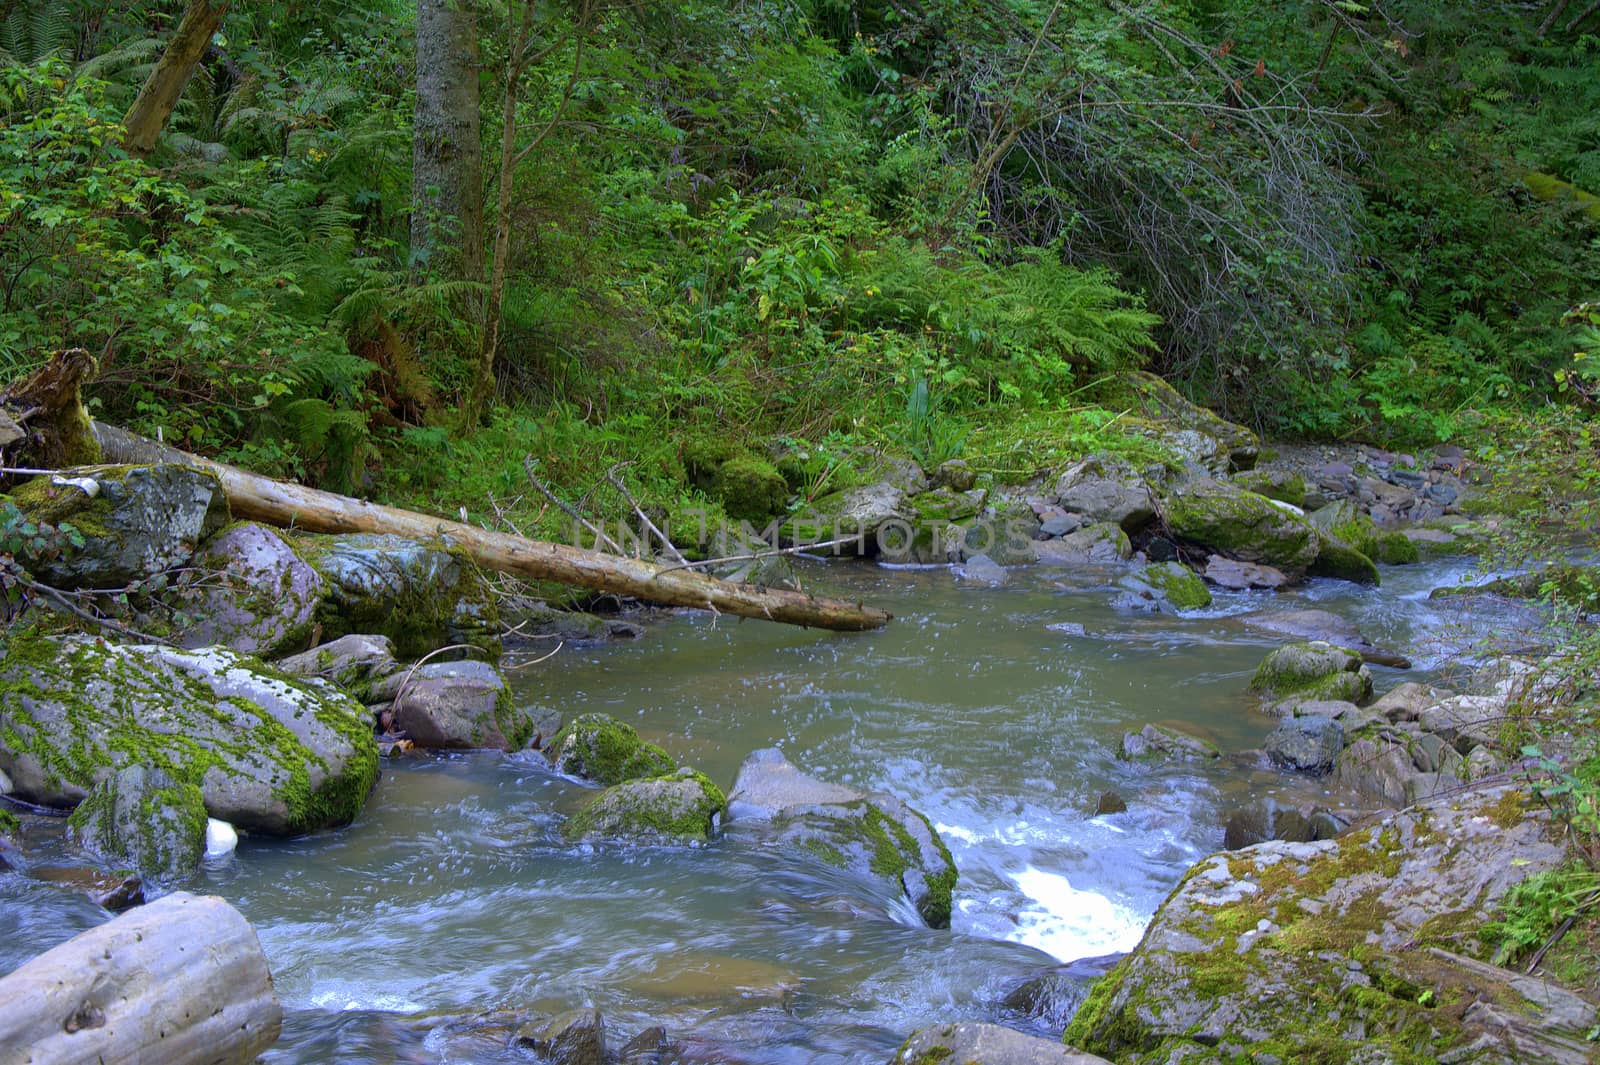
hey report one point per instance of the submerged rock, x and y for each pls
(680, 807)
(1327, 951)
(456, 706)
(248, 590)
(144, 819)
(268, 753)
(136, 521)
(421, 596)
(969, 1043)
(576, 1037)
(1159, 743)
(872, 836)
(598, 747)
(1311, 624)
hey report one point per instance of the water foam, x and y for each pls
(1070, 924)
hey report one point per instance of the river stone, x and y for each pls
(1234, 446)
(598, 747)
(1227, 520)
(873, 836)
(1306, 744)
(353, 662)
(421, 596)
(982, 569)
(954, 473)
(1323, 951)
(680, 807)
(1169, 587)
(1265, 819)
(1339, 561)
(646, 1048)
(1317, 669)
(141, 817)
(247, 589)
(269, 754)
(971, 1043)
(1312, 624)
(140, 521)
(456, 706)
(1106, 488)
(1465, 720)
(576, 1037)
(1344, 521)
(1286, 486)
(1243, 576)
(1092, 545)
(1159, 743)
(856, 514)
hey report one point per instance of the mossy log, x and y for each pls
(253, 497)
(44, 413)
(181, 981)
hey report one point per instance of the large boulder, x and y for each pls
(1308, 744)
(422, 596)
(600, 748)
(1314, 669)
(1106, 488)
(354, 662)
(680, 807)
(1192, 430)
(970, 1043)
(248, 590)
(1340, 950)
(456, 706)
(1225, 519)
(142, 818)
(871, 836)
(136, 521)
(269, 754)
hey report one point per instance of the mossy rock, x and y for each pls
(1181, 586)
(10, 825)
(1316, 670)
(679, 807)
(1346, 522)
(247, 589)
(750, 489)
(1228, 520)
(136, 521)
(600, 748)
(1282, 485)
(1574, 585)
(269, 753)
(142, 818)
(1237, 447)
(1340, 561)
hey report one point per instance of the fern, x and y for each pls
(39, 29)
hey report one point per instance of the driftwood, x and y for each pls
(257, 498)
(181, 981)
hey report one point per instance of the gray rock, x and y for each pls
(1465, 720)
(1243, 576)
(1158, 743)
(1168, 587)
(456, 706)
(576, 1037)
(421, 596)
(983, 570)
(955, 474)
(1059, 525)
(970, 1043)
(1306, 744)
(1264, 820)
(248, 590)
(141, 520)
(1092, 545)
(872, 836)
(268, 754)
(1378, 768)
(1315, 669)
(1406, 701)
(1106, 488)
(1250, 939)
(646, 1048)
(682, 807)
(1218, 444)
(353, 662)
(859, 514)
(141, 817)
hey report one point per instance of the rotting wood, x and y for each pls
(286, 505)
(181, 981)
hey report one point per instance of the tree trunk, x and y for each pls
(148, 116)
(181, 981)
(447, 154)
(1550, 17)
(257, 498)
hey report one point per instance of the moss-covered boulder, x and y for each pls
(247, 589)
(144, 819)
(422, 596)
(749, 486)
(1200, 434)
(1227, 520)
(871, 836)
(354, 662)
(1344, 521)
(869, 517)
(1314, 669)
(1339, 561)
(679, 807)
(1358, 949)
(136, 521)
(1170, 587)
(1285, 486)
(269, 753)
(598, 747)
(456, 706)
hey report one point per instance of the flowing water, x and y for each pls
(994, 710)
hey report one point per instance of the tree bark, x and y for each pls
(149, 114)
(447, 153)
(257, 498)
(1550, 17)
(181, 981)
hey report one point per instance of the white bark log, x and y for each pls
(181, 981)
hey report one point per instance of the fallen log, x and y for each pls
(286, 505)
(179, 981)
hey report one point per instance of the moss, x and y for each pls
(1395, 548)
(10, 824)
(1183, 588)
(1101, 1025)
(1340, 561)
(1242, 524)
(1285, 487)
(750, 489)
(601, 748)
(637, 810)
(41, 500)
(1509, 810)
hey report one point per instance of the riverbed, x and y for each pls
(996, 711)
